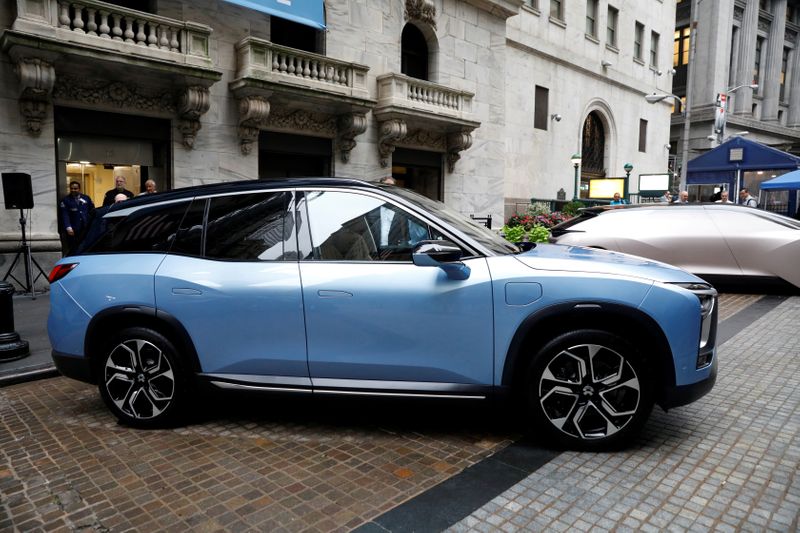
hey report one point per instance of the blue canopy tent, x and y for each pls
(787, 182)
(307, 12)
(775, 189)
(726, 164)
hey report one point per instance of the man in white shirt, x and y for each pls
(723, 198)
(746, 199)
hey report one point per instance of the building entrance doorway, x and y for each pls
(282, 155)
(419, 171)
(93, 148)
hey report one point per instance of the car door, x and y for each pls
(235, 287)
(374, 320)
(683, 236)
(763, 244)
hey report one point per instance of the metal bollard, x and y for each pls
(11, 346)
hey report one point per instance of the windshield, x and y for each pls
(479, 233)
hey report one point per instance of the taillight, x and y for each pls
(59, 271)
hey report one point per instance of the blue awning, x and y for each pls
(308, 12)
(740, 154)
(789, 181)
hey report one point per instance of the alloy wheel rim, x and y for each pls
(139, 379)
(589, 391)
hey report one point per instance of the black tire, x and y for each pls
(589, 390)
(142, 380)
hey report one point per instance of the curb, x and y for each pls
(45, 372)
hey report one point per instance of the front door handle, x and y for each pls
(334, 294)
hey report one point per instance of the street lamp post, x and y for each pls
(722, 102)
(685, 109)
(628, 168)
(576, 162)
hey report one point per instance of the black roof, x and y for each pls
(234, 186)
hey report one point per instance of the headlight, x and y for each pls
(708, 317)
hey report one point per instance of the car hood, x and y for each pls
(594, 261)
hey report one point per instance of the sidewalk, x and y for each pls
(30, 321)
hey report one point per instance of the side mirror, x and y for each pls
(442, 254)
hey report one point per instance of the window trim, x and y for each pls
(655, 39)
(470, 249)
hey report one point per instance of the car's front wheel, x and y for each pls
(589, 390)
(141, 379)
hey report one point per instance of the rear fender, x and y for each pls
(108, 322)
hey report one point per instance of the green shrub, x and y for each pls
(571, 208)
(513, 233)
(539, 234)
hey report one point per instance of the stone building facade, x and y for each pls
(438, 93)
(592, 63)
(739, 43)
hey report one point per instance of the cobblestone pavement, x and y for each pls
(276, 465)
(729, 462)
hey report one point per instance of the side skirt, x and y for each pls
(348, 387)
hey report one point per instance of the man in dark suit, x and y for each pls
(76, 208)
(119, 181)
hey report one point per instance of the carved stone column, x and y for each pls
(743, 101)
(457, 142)
(192, 104)
(391, 132)
(770, 80)
(36, 80)
(349, 126)
(253, 113)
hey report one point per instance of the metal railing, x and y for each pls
(487, 220)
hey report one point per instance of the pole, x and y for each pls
(575, 196)
(688, 115)
(626, 187)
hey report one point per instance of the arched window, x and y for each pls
(594, 145)
(414, 53)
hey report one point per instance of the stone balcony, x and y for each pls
(285, 88)
(423, 114)
(51, 40)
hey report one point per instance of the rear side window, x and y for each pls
(150, 229)
(251, 227)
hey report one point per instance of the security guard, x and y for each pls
(75, 211)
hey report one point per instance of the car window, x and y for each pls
(740, 220)
(251, 227)
(188, 238)
(346, 226)
(484, 236)
(149, 229)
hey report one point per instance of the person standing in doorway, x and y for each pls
(149, 187)
(76, 208)
(119, 188)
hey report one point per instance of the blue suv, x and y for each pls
(336, 286)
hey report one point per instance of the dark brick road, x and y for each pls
(265, 464)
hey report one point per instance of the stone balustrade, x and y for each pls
(403, 91)
(112, 23)
(268, 61)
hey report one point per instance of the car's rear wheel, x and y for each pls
(141, 379)
(589, 390)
